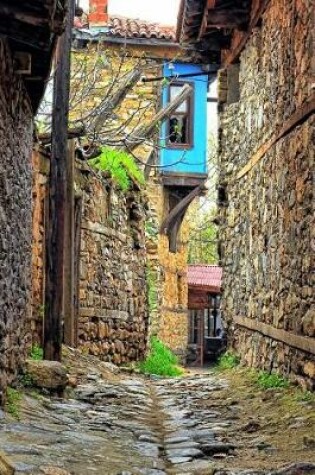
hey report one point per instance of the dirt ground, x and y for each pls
(272, 427)
(117, 422)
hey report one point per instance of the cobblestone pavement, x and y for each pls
(127, 426)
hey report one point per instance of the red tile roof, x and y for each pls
(135, 28)
(202, 275)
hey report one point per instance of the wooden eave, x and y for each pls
(218, 27)
(31, 27)
(204, 288)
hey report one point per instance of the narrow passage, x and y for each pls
(121, 424)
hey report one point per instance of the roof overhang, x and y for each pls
(31, 27)
(212, 289)
(218, 27)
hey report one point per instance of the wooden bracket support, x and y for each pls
(172, 223)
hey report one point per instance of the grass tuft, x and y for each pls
(13, 402)
(37, 353)
(228, 361)
(271, 380)
(160, 361)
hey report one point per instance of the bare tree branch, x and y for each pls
(144, 132)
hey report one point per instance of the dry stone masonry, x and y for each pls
(112, 319)
(268, 200)
(15, 218)
(113, 310)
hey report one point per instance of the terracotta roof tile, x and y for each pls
(205, 276)
(135, 28)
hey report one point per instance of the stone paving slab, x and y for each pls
(131, 426)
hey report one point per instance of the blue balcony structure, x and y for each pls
(183, 143)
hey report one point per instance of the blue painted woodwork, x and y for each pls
(192, 160)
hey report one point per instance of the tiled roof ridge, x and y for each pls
(205, 275)
(137, 28)
(147, 22)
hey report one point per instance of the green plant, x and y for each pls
(228, 361)
(271, 380)
(37, 353)
(13, 402)
(41, 311)
(27, 380)
(305, 396)
(160, 361)
(121, 166)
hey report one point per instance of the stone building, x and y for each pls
(25, 57)
(266, 192)
(111, 318)
(167, 248)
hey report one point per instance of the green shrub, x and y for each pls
(13, 402)
(160, 361)
(37, 353)
(121, 166)
(228, 361)
(271, 380)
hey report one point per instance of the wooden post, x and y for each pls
(77, 249)
(55, 231)
(68, 297)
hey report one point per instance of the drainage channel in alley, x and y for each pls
(128, 425)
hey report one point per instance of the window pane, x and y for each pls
(174, 91)
(179, 129)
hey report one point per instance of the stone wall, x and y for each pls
(41, 166)
(15, 218)
(267, 201)
(166, 272)
(113, 320)
(170, 319)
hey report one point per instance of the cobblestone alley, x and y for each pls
(114, 423)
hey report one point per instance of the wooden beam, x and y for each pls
(211, 4)
(50, 16)
(230, 19)
(178, 209)
(183, 180)
(296, 119)
(300, 342)
(141, 133)
(55, 232)
(107, 106)
(68, 275)
(77, 257)
(75, 132)
(203, 26)
(233, 55)
(35, 38)
(12, 11)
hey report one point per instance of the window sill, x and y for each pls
(179, 147)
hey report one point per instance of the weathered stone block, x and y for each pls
(47, 374)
